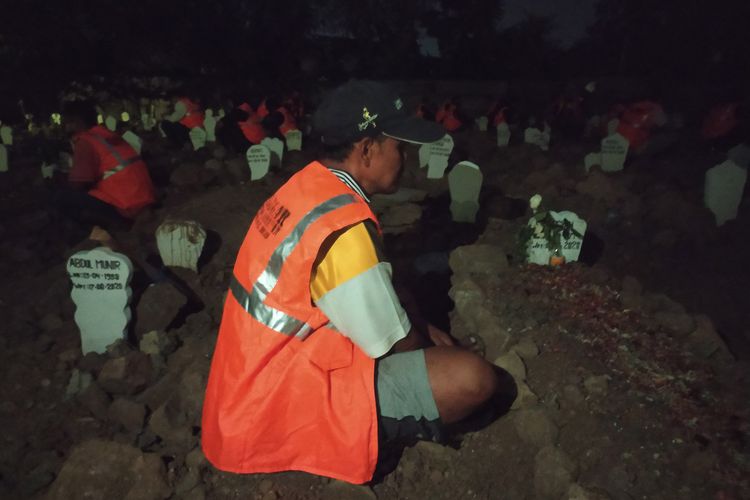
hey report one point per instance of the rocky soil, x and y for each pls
(630, 365)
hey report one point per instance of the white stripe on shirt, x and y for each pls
(347, 179)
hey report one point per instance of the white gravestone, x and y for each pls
(6, 135)
(740, 155)
(440, 152)
(294, 140)
(148, 122)
(612, 126)
(180, 243)
(48, 170)
(209, 124)
(537, 250)
(424, 155)
(614, 151)
(198, 138)
(3, 158)
(503, 135)
(276, 147)
(591, 160)
(537, 137)
(725, 184)
(482, 123)
(546, 137)
(135, 142)
(101, 294)
(465, 183)
(111, 123)
(258, 159)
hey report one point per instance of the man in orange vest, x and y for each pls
(108, 183)
(187, 115)
(317, 365)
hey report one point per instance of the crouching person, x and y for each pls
(317, 366)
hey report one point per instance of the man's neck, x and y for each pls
(344, 167)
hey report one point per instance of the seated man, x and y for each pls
(108, 183)
(317, 366)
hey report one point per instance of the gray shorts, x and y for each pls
(406, 407)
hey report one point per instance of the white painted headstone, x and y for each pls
(3, 158)
(614, 151)
(294, 140)
(110, 122)
(724, 186)
(545, 137)
(135, 142)
(209, 124)
(465, 183)
(612, 126)
(532, 135)
(482, 123)
(180, 243)
(101, 293)
(538, 253)
(503, 135)
(147, 122)
(6, 135)
(740, 155)
(440, 151)
(276, 147)
(198, 138)
(258, 159)
(591, 160)
(48, 170)
(424, 155)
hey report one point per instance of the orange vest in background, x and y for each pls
(721, 120)
(262, 111)
(286, 391)
(246, 108)
(252, 129)
(194, 115)
(637, 121)
(123, 176)
(446, 116)
(289, 122)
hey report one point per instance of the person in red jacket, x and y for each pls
(318, 367)
(108, 183)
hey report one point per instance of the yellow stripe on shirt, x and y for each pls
(350, 255)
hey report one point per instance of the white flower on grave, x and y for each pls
(535, 201)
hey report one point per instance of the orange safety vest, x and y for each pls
(262, 110)
(286, 391)
(721, 120)
(637, 121)
(289, 122)
(252, 129)
(194, 116)
(123, 176)
(446, 116)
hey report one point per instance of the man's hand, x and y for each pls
(438, 336)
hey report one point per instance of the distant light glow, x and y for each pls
(125, 116)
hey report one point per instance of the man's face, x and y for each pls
(386, 165)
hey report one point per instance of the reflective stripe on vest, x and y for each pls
(121, 163)
(252, 301)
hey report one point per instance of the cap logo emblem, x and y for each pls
(369, 119)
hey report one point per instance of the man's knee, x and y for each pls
(480, 380)
(464, 372)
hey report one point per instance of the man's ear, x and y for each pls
(364, 148)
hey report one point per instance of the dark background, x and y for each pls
(47, 43)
